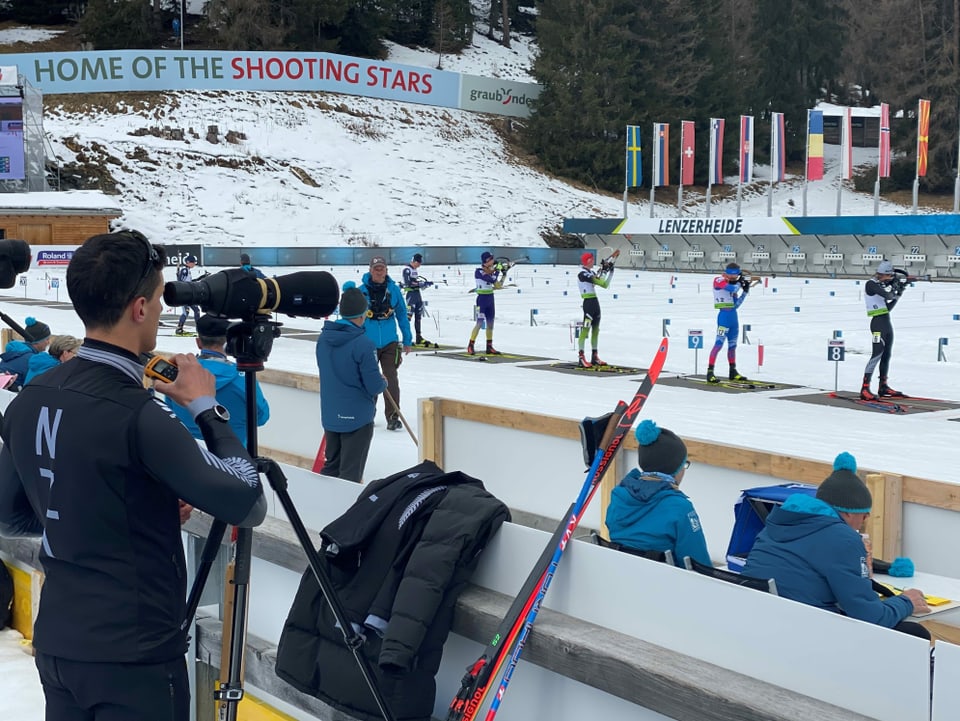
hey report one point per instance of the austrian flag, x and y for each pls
(686, 152)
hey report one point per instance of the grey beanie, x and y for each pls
(35, 330)
(660, 451)
(885, 268)
(353, 303)
(843, 488)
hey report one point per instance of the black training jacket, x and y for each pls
(96, 464)
(398, 559)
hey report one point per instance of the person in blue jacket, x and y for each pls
(62, 348)
(813, 549)
(350, 382)
(247, 266)
(647, 511)
(387, 310)
(15, 358)
(231, 391)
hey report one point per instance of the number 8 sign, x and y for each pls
(836, 351)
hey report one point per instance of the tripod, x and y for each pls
(250, 343)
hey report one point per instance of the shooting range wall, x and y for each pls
(816, 246)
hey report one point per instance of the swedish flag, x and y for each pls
(634, 158)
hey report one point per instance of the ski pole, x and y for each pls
(386, 394)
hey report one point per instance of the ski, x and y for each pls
(743, 385)
(878, 404)
(515, 627)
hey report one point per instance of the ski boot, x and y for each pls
(886, 391)
(711, 376)
(393, 423)
(491, 350)
(470, 350)
(865, 393)
(180, 331)
(735, 375)
(582, 360)
(595, 360)
(424, 343)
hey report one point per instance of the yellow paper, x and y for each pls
(931, 600)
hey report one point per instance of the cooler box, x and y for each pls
(750, 515)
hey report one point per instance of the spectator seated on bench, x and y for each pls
(648, 510)
(758, 584)
(659, 556)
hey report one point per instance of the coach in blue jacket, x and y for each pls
(387, 310)
(813, 549)
(349, 385)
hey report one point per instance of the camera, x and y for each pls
(14, 259)
(237, 293)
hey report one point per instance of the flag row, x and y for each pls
(778, 156)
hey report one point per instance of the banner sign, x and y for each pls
(105, 71)
(52, 257)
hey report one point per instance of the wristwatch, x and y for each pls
(221, 413)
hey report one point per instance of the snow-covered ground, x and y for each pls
(389, 174)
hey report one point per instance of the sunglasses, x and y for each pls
(151, 263)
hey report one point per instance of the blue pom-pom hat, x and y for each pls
(843, 488)
(660, 450)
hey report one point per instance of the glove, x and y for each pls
(745, 284)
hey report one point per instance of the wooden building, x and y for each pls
(66, 218)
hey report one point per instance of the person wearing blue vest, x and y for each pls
(648, 511)
(386, 311)
(350, 382)
(15, 358)
(231, 389)
(246, 265)
(62, 348)
(812, 547)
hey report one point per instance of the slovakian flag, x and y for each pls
(923, 137)
(883, 169)
(716, 151)
(846, 144)
(778, 148)
(634, 158)
(746, 148)
(661, 144)
(814, 145)
(687, 132)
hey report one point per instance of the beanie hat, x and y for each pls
(885, 268)
(487, 255)
(378, 260)
(843, 488)
(244, 259)
(417, 258)
(660, 451)
(35, 330)
(353, 303)
(585, 257)
(190, 259)
(209, 326)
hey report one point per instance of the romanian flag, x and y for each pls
(746, 148)
(778, 148)
(846, 144)
(661, 144)
(815, 145)
(923, 137)
(634, 165)
(687, 131)
(716, 151)
(883, 170)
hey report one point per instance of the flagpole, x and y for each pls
(916, 177)
(843, 149)
(626, 174)
(773, 135)
(806, 166)
(956, 183)
(653, 190)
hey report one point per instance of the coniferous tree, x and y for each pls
(37, 12)
(116, 24)
(245, 24)
(603, 65)
(798, 46)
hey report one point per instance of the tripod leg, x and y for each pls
(210, 548)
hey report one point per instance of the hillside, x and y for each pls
(324, 169)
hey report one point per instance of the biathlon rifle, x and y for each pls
(907, 278)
